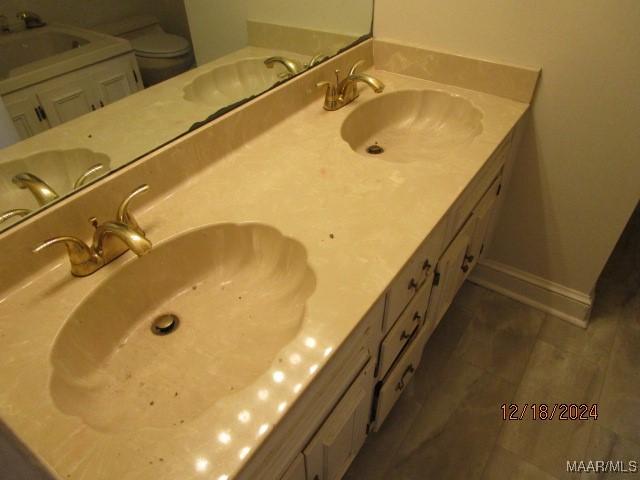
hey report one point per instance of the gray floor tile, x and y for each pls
(502, 334)
(453, 435)
(504, 465)
(553, 376)
(620, 401)
(606, 445)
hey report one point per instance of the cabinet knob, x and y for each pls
(464, 268)
(469, 258)
(413, 284)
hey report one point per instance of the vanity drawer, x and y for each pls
(419, 269)
(399, 376)
(408, 323)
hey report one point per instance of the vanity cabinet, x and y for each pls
(61, 99)
(467, 224)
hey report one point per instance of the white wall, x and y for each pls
(349, 17)
(218, 27)
(577, 178)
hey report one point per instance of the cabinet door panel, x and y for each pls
(335, 445)
(115, 80)
(22, 107)
(66, 102)
(450, 273)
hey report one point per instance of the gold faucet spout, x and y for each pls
(292, 66)
(136, 241)
(375, 84)
(38, 187)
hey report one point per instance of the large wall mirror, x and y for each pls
(88, 85)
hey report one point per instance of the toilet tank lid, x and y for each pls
(126, 25)
(160, 44)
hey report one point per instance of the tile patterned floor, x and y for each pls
(490, 350)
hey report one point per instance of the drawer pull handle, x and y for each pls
(401, 383)
(413, 284)
(465, 266)
(426, 266)
(405, 335)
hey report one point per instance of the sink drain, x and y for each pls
(165, 324)
(375, 149)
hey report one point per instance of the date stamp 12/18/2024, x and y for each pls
(551, 411)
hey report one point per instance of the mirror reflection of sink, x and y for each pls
(19, 49)
(239, 295)
(61, 170)
(233, 82)
(411, 125)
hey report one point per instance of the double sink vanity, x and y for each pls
(301, 259)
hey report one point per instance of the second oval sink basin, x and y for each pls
(200, 317)
(412, 125)
(232, 82)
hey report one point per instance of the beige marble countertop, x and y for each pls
(360, 219)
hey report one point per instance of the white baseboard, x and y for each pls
(558, 300)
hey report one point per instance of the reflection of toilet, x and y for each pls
(160, 55)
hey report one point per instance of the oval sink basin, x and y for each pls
(239, 295)
(412, 125)
(233, 82)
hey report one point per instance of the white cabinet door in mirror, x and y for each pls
(24, 109)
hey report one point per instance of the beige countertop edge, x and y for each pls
(313, 185)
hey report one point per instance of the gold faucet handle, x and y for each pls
(124, 215)
(82, 259)
(16, 212)
(82, 179)
(355, 67)
(316, 60)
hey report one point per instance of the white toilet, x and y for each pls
(160, 55)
